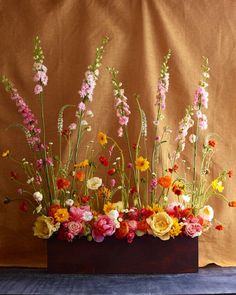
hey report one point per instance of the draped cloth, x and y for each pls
(141, 32)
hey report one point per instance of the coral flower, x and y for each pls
(63, 183)
(102, 138)
(219, 227)
(123, 231)
(103, 161)
(53, 209)
(232, 204)
(165, 181)
(142, 164)
(212, 143)
(80, 175)
(61, 215)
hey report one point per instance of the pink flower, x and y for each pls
(203, 122)
(72, 126)
(81, 214)
(74, 228)
(193, 229)
(81, 106)
(130, 237)
(123, 120)
(112, 182)
(120, 132)
(38, 89)
(104, 226)
(38, 179)
(201, 97)
(153, 184)
(132, 225)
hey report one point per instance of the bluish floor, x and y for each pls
(209, 280)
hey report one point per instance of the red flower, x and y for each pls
(146, 212)
(122, 231)
(134, 146)
(133, 190)
(52, 210)
(111, 171)
(23, 206)
(212, 143)
(85, 199)
(174, 169)
(63, 183)
(219, 227)
(142, 226)
(104, 161)
(230, 173)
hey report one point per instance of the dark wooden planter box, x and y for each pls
(145, 255)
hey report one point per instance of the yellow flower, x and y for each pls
(44, 227)
(108, 207)
(142, 164)
(161, 224)
(61, 215)
(176, 228)
(104, 192)
(156, 208)
(82, 164)
(6, 154)
(217, 185)
(102, 138)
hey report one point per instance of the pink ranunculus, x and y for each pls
(104, 226)
(75, 228)
(193, 229)
(173, 208)
(77, 214)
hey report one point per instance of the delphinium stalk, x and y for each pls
(200, 103)
(162, 90)
(41, 79)
(86, 94)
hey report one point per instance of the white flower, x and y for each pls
(87, 216)
(69, 202)
(113, 214)
(84, 123)
(38, 196)
(192, 138)
(39, 208)
(207, 213)
(94, 183)
(30, 180)
(89, 113)
(186, 198)
(89, 128)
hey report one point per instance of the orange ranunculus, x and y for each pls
(232, 204)
(63, 183)
(61, 215)
(53, 209)
(143, 226)
(80, 175)
(165, 181)
(122, 231)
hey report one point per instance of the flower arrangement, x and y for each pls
(137, 195)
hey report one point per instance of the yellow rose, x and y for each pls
(161, 224)
(44, 227)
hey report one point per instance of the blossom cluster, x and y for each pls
(108, 191)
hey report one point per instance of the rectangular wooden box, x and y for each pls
(145, 255)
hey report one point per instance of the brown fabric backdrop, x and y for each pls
(141, 32)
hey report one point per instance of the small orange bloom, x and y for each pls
(63, 183)
(165, 181)
(80, 175)
(232, 204)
